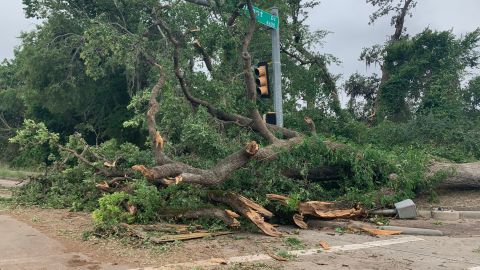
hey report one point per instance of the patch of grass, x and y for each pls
(7, 172)
(254, 266)
(285, 254)
(86, 235)
(65, 232)
(380, 220)
(477, 250)
(438, 223)
(339, 230)
(157, 250)
(236, 237)
(293, 242)
(5, 203)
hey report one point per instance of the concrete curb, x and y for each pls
(449, 215)
(412, 231)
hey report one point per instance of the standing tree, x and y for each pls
(376, 54)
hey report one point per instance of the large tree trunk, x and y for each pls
(462, 175)
(457, 175)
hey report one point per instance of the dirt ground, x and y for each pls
(69, 228)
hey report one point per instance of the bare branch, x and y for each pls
(188, 174)
(5, 123)
(155, 137)
(251, 210)
(305, 57)
(400, 20)
(235, 14)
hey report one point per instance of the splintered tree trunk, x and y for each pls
(462, 175)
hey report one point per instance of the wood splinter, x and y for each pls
(159, 142)
(143, 170)
(252, 148)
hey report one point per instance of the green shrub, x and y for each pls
(113, 208)
(111, 211)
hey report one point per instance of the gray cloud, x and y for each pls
(12, 23)
(348, 20)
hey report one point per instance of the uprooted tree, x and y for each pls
(207, 130)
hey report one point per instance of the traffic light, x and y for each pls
(270, 118)
(263, 85)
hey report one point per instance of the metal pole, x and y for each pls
(277, 72)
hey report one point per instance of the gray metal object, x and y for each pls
(384, 212)
(277, 72)
(406, 209)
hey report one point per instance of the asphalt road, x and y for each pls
(23, 247)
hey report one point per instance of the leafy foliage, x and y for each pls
(425, 74)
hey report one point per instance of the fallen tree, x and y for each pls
(317, 159)
(463, 175)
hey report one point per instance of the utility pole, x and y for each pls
(277, 72)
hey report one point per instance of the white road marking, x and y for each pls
(263, 257)
(474, 268)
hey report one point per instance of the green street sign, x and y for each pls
(263, 17)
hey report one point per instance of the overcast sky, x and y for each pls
(347, 19)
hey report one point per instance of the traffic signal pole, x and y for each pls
(277, 72)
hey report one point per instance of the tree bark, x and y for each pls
(189, 174)
(155, 137)
(399, 22)
(254, 212)
(461, 175)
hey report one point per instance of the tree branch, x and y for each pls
(81, 158)
(227, 216)
(155, 137)
(5, 123)
(188, 174)
(400, 20)
(307, 58)
(235, 14)
(251, 210)
(244, 121)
